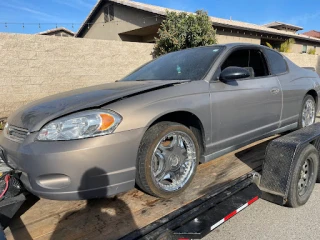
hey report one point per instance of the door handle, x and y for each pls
(275, 91)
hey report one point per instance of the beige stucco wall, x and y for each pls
(228, 37)
(125, 19)
(298, 46)
(35, 66)
(305, 60)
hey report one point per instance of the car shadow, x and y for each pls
(17, 226)
(252, 157)
(99, 219)
(232, 83)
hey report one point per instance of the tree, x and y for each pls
(182, 30)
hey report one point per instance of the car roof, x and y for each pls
(231, 45)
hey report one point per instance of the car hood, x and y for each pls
(36, 114)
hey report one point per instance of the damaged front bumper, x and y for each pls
(72, 170)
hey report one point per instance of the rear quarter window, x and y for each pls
(276, 62)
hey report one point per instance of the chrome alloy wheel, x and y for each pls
(308, 113)
(173, 161)
(305, 177)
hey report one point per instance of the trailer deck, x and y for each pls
(116, 217)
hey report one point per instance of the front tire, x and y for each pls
(307, 115)
(167, 159)
(304, 177)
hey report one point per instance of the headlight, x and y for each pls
(80, 125)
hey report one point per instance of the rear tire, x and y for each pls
(304, 177)
(307, 115)
(167, 159)
(317, 146)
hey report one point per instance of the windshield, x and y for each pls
(190, 64)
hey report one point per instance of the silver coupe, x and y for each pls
(152, 128)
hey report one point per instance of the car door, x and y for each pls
(293, 87)
(244, 109)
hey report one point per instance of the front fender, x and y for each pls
(142, 110)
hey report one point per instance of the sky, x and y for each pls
(32, 16)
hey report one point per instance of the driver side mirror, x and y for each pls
(233, 73)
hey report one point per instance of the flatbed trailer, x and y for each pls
(221, 189)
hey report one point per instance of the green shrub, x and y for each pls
(269, 45)
(312, 51)
(2, 124)
(182, 30)
(286, 46)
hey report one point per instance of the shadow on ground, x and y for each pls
(18, 229)
(99, 218)
(251, 157)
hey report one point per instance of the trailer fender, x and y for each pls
(280, 161)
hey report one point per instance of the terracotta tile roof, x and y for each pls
(312, 33)
(56, 30)
(215, 21)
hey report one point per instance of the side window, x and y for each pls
(239, 58)
(252, 60)
(257, 63)
(276, 62)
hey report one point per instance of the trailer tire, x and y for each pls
(152, 162)
(304, 177)
(316, 144)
